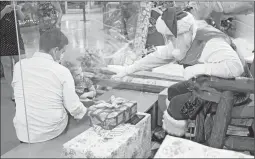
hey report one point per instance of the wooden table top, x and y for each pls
(53, 148)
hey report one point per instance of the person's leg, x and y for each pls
(16, 58)
(178, 89)
(7, 68)
(176, 105)
(174, 122)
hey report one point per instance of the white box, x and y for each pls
(133, 143)
(174, 147)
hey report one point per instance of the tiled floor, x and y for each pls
(81, 35)
(8, 134)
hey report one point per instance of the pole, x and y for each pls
(84, 12)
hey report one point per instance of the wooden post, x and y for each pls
(252, 68)
(253, 127)
(221, 120)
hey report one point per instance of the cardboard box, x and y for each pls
(174, 147)
(135, 142)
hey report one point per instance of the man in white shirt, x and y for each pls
(44, 91)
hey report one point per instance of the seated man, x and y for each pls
(211, 54)
(44, 91)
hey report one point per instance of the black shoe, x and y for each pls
(159, 135)
(192, 107)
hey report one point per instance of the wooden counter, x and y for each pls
(53, 148)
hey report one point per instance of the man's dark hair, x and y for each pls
(51, 39)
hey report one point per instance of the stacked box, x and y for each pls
(134, 142)
(110, 117)
(174, 147)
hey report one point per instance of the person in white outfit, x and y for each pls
(180, 29)
(211, 54)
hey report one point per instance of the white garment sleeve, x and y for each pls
(223, 69)
(71, 100)
(158, 58)
(218, 59)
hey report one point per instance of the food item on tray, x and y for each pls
(110, 114)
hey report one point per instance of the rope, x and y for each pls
(16, 27)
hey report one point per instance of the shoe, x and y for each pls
(159, 135)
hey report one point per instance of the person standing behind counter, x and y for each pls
(49, 14)
(49, 91)
(8, 44)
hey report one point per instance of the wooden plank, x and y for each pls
(253, 127)
(240, 143)
(241, 122)
(239, 85)
(243, 112)
(221, 120)
(153, 75)
(128, 86)
(147, 75)
(237, 131)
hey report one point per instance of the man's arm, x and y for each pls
(223, 69)
(4, 11)
(20, 14)
(158, 58)
(59, 10)
(71, 100)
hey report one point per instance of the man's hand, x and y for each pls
(84, 96)
(194, 71)
(17, 8)
(87, 95)
(119, 75)
(58, 25)
(188, 73)
(7, 9)
(158, 10)
(89, 74)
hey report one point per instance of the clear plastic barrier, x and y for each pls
(73, 53)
